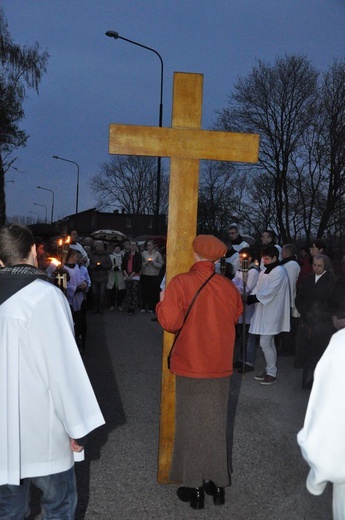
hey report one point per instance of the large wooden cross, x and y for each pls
(185, 143)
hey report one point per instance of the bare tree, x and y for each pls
(332, 130)
(216, 201)
(129, 183)
(278, 102)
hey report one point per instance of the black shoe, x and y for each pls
(218, 493)
(195, 496)
(237, 364)
(247, 368)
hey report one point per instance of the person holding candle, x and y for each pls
(245, 280)
(100, 263)
(77, 286)
(271, 297)
(116, 287)
(152, 264)
(76, 245)
(131, 269)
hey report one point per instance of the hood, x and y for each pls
(15, 278)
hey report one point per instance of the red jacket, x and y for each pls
(204, 348)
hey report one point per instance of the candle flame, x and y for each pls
(68, 239)
(60, 242)
(54, 261)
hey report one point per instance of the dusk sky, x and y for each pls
(93, 80)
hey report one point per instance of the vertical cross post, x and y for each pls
(185, 143)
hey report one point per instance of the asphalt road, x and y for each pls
(118, 479)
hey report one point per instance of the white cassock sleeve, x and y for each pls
(322, 439)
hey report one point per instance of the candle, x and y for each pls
(54, 261)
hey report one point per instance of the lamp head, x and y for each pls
(112, 34)
(56, 157)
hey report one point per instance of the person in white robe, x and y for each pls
(76, 245)
(288, 339)
(245, 280)
(268, 238)
(237, 240)
(47, 402)
(322, 438)
(272, 310)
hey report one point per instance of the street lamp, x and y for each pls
(116, 36)
(77, 195)
(34, 213)
(51, 191)
(43, 206)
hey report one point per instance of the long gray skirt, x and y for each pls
(200, 448)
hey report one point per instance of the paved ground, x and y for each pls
(118, 479)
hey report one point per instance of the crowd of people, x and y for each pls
(232, 300)
(293, 303)
(106, 275)
(290, 305)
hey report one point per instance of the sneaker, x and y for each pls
(260, 377)
(142, 311)
(268, 380)
(150, 312)
(120, 308)
(111, 308)
(238, 364)
(247, 368)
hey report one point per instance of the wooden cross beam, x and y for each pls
(185, 143)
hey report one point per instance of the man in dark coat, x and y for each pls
(316, 327)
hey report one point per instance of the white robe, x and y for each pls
(322, 439)
(293, 269)
(272, 313)
(46, 396)
(253, 275)
(82, 251)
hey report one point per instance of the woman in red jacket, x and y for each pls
(202, 360)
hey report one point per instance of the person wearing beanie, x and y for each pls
(201, 358)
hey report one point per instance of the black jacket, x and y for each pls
(137, 262)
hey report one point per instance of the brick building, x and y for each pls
(131, 225)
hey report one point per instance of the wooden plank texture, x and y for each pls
(183, 143)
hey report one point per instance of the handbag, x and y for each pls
(186, 315)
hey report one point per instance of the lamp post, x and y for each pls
(43, 206)
(77, 193)
(116, 36)
(34, 213)
(51, 191)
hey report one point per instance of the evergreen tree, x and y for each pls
(21, 68)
